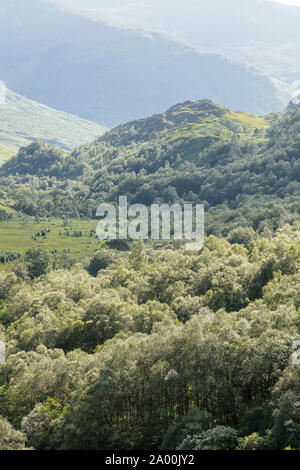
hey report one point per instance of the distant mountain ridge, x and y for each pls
(259, 32)
(23, 120)
(212, 22)
(114, 75)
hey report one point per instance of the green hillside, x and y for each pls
(23, 120)
(201, 119)
(179, 135)
(149, 346)
(244, 168)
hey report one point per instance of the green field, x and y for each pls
(16, 236)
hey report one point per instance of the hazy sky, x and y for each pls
(289, 2)
(94, 2)
(113, 3)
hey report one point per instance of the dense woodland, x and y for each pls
(159, 347)
(245, 169)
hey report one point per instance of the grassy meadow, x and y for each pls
(19, 236)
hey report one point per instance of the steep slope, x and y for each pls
(263, 33)
(23, 120)
(113, 75)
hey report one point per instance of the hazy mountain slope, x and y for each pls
(259, 32)
(210, 22)
(113, 75)
(23, 120)
(5, 152)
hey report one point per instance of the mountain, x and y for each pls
(244, 168)
(191, 126)
(110, 74)
(260, 32)
(208, 22)
(200, 152)
(23, 120)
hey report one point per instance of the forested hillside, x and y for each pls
(139, 347)
(165, 349)
(243, 167)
